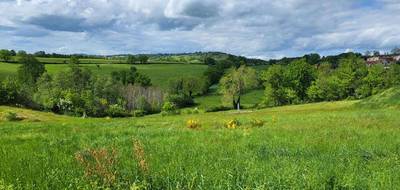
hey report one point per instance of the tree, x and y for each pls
(131, 59)
(312, 58)
(74, 60)
(373, 83)
(300, 75)
(275, 83)
(396, 51)
(13, 53)
(40, 54)
(143, 59)
(5, 55)
(350, 72)
(194, 86)
(376, 53)
(30, 70)
(131, 77)
(393, 75)
(209, 61)
(21, 53)
(237, 81)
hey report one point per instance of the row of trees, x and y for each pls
(77, 91)
(300, 82)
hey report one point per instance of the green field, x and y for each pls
(316, 146)
(159, 73)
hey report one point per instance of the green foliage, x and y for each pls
(30, 70)
(275, 83)
(180, 100)
(116, 111)
(131, 59)
(169, 108)
(5, 55)
(131, 77)
(143, 59)
(236, 82)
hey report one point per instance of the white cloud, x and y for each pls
(259, 28)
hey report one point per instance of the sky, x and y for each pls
(255, 28)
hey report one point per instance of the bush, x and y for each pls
(11, 116)
(257, 123)
(116, 111)
(180, 100)
(139, 113)
(193, 124)
(232, 124)
(169, 108)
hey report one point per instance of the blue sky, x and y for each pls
(258, 28)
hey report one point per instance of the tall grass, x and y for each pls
(315, 146)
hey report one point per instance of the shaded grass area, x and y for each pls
(159, 73)
(314, 146)
(249, 99)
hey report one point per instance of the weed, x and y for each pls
(99, 163)
(140, 156)
(232, 124)
(193, 124)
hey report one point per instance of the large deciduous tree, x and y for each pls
(30, 70)
(237, 81)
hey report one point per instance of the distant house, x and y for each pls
(385, 60)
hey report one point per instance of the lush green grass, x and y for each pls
(389, 98)
(314, 146)
(159, 73)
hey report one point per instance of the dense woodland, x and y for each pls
(78, 92)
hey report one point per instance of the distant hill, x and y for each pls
(195, 58)
(389, 98)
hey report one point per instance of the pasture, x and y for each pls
(314, 146)
(159, 73)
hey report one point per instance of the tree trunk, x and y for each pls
(236, 103)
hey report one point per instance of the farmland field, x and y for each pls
(315, 146)
(159, 73)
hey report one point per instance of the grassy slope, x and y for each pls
(159, 73)
(310, 146)
(389, 98)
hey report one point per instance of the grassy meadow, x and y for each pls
(159, 73)
(333, 145)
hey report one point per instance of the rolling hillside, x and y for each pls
(328, 145)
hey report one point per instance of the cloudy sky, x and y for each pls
(255, 28)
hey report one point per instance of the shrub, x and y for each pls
(180, 100)
(232, 124)
(193, 124)
(116, 111)
(11, 116)
(257, 123)
(169, 108)
(139, 113)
